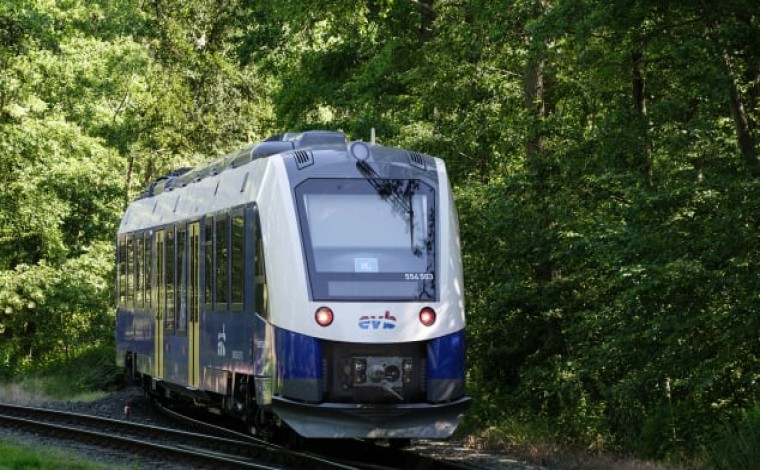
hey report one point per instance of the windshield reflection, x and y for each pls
(398, 193)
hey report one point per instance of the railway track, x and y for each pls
(351, 453)
(204, 445)
(199, 450)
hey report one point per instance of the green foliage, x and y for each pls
(55, 311)
(96, 100)
(737, 444)
(603, 154)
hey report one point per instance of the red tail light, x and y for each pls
(323, 316)
(427, 316)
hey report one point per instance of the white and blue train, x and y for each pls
(305, 280)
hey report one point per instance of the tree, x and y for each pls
(92, 108)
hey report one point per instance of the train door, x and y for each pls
(160, 306)
(175, 315)
(193, 298)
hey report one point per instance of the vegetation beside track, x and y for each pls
(85, 376)
(16, 456)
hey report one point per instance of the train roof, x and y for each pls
(271, 146)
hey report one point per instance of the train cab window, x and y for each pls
(261, 293)
(237, 259)
(129, 279)
(222, 263)
(369, 239)
(122, 279)
(171, 275)
(182, 278)
(208, 250)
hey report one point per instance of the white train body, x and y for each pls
(303, 280)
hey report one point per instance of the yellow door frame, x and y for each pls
(193, 329)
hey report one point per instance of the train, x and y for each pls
(306, 282)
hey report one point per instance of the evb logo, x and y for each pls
(372, 322)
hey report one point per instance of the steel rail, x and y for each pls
(344, 454)
(304, 457)
(238, 451)
(146, 448)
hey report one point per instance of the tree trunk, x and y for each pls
(128, 184)
(742, 123)
(538, 106)
(533, 88)
(638, 89)
(428, 15)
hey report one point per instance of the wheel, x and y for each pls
(129, 369)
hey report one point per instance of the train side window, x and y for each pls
(261, 291)
(182, 275)
(160, 257)
(193, 272)
(238, 262)
(171, 275)
(208, 250)
(122, 279)
(149, 257)
(222, 262)
(129, 281)
(139, 270)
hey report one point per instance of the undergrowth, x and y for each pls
(737, 444)
(84, 376)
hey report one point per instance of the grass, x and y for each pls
(735, 446)
(84, 377)
(533, 442)
(16, 456)
(38, 389)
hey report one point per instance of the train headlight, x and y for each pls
(427, 316)
(324, 316)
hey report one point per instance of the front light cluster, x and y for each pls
(368, 371)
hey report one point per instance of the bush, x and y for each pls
(737, 444)
(85, 375)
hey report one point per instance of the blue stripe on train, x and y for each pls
(446, 357)
(298, 356)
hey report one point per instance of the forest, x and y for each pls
(604, 155)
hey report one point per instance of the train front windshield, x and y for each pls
(370, 239)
